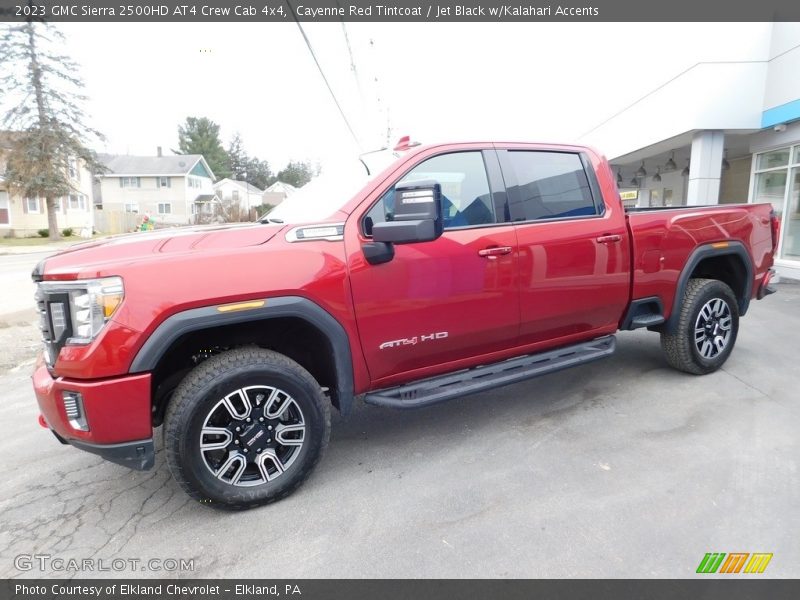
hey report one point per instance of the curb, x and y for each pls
(31, 249)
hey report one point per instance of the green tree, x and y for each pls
(237, 158)
(297, 173)
(200, 135)
(247, 168)
(259, 174)
(39, 95)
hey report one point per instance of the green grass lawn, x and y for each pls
(30, 241)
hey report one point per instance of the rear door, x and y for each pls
(573, 249)
(443, 301)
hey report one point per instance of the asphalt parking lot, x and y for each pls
(621, 468)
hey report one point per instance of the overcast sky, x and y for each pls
(439, 81)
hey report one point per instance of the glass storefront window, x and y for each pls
(774, 159)
(777, 181)
(771, 187)
(791, 232)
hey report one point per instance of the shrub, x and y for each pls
(263, 209)
(67, 232)
(44, 233)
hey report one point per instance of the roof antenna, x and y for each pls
(361, 157)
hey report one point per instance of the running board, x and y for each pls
(470, 381)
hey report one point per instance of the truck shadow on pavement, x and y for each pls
(69, 500)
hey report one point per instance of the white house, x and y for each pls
(277, 193)
(171, 190)
(23, 217)
(240, 193)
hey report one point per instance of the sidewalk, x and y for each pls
(42, 247)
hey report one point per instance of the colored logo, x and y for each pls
(736, 562)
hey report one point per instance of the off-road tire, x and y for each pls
(203, 388)
(680, 347)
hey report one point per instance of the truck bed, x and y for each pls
(663, 239)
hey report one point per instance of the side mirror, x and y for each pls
(417, 215)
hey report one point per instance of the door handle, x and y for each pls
(494, 251)
(608, 239)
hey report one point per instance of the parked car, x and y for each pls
(458, 268)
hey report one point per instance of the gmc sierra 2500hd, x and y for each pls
(458, 268)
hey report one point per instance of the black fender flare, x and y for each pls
(699, 254)
(196, 319)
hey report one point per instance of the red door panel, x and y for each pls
(574, 262)
(437, 302)
(570, 282)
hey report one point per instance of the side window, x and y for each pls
(550, 185)
(466, 199)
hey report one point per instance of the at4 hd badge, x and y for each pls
(412, 341)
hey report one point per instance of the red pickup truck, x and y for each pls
(459, 268)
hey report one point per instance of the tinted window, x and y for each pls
(550, 185)
(465, 191)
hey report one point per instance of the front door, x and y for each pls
(437, 302)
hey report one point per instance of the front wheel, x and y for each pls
(245, 428)
(707, 326)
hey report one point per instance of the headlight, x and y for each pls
(76, 310)
(92, 303)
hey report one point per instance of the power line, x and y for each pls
(352, 58)
(324, 78)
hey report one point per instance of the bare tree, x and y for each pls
(40, 93)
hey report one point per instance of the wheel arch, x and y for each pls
(730, 264)
(326, 355)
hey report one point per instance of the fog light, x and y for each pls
(73, 406)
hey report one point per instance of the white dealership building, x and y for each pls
(723, 131)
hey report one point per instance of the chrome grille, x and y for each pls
(58, 319)
(44, 320)
(54, 321)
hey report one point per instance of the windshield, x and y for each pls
(326, 193)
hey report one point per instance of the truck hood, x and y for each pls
(134, 247)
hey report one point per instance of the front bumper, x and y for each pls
(116, 411)
(139, 456)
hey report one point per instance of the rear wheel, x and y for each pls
(245, 428)
(707, 327)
